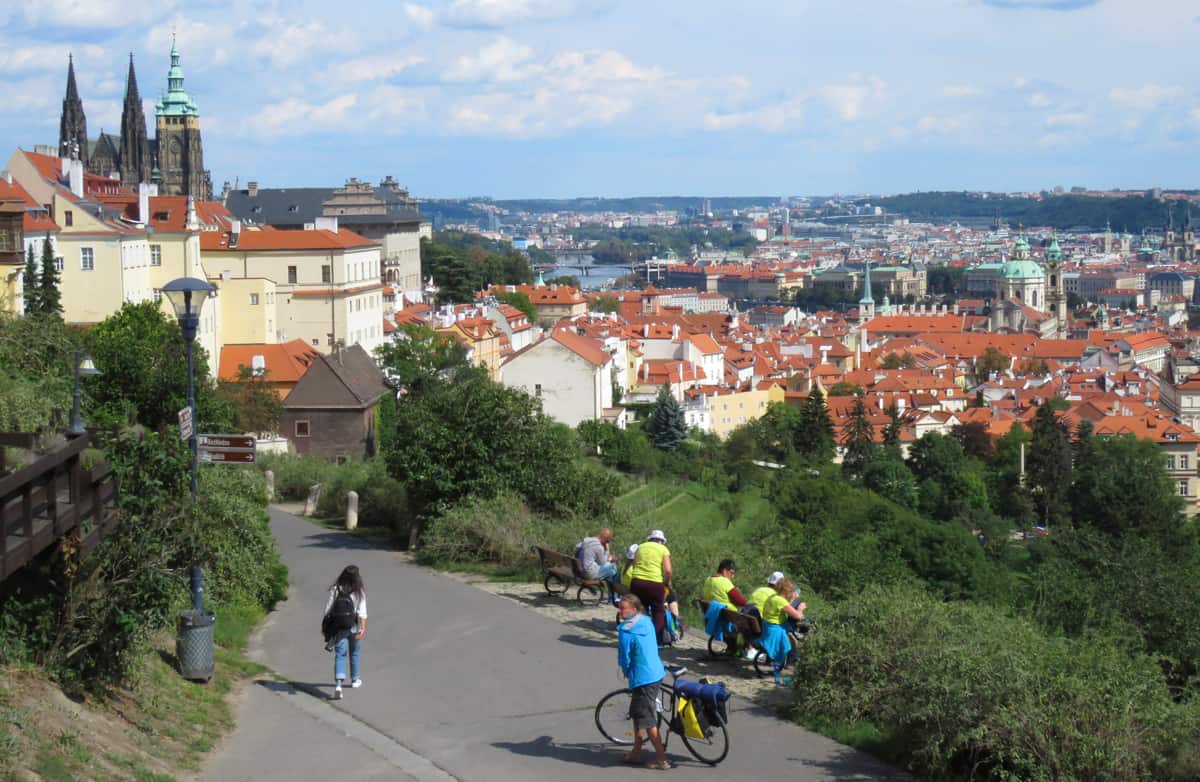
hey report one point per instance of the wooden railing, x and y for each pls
(50, 499)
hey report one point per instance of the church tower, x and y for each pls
(72, 127)
(866, 305)
(177, 138)
(135, 149)
(1055, 298)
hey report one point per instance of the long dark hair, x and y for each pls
(350, 581)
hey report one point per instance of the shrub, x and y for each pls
(382, 501)
(965, 689)
(496, 530)
(295, 474)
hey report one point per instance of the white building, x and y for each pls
(569, 373)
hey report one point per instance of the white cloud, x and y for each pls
(210, 43)
(419, 15)
(1144, 98)
(940, 124)
(287, 44)
(1068, 119)
(1038, 100)
(500, 13)
(849, 100)
(376, 68)
(540, 113)
(93, 14)
(773, 118)
(502, 60)
(959, 91)
(295, 117)
(25, 59)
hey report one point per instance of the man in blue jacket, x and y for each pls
(637, 656)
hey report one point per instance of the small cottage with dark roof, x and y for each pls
(331, 411)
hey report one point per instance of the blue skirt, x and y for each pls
(774, 641)
(712, 621)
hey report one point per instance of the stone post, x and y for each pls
(270, 477)
(351, 510)
(314, 496)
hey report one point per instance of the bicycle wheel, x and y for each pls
(612, 717)
(763, 665)
(711, 749)
(555, 585)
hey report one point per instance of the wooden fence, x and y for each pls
(52, 498)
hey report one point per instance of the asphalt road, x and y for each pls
(459, 684)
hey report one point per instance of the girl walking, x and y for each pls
(346, 611)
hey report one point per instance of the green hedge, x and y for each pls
(964, 690)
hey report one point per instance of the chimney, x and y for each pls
(64, 167)
(143, 203)
(252, 189)
(193, 222)
(955, 308)
(76, 177)
(8, 176)
(235, 227)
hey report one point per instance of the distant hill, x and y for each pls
(454, 210)
(1059, 211)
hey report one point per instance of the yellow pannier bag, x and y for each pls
(687, 715)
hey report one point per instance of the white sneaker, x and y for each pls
(337, 693)
(356, 683)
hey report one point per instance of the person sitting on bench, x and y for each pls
(595, 563)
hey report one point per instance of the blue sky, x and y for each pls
(515, 98)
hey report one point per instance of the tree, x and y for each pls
(565, 279)
(991, 361)
(667, 425)
(775, 432)
(975, 440)
(844, 388)
(860, 441)
(1121, 485)
(894, 361)
(1048, 468)
(889, 477)
(814, 434)
(49, 296)
(31, 286)
(420, 359)
(141, 355)
(950, 485)
(520, 301)
(605, 303)
(891, 432)
(256, 404)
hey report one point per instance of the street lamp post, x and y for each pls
(187, 295)
(83, 368)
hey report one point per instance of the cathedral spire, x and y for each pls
(72, 127)
(135, 147)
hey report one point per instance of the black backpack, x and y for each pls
(342, 614)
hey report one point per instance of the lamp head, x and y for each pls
(187, 295)
(87, 367)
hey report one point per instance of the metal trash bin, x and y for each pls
(194, 644)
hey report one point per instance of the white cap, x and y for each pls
(632, 552)
(775, 577)
(657, 534)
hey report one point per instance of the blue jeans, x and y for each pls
(608, 572)
(345, 644)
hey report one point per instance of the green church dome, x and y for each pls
(1021, 269)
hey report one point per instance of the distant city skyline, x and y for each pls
(570, 98)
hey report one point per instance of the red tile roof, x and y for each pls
(285, 362)
(266, 239)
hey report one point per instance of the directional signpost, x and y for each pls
(226, 448)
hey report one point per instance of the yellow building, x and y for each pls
(729, 411)
(478, 335)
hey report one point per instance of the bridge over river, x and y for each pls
(460, 684)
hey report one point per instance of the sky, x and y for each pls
(563, 98)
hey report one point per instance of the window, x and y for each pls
(156, 255)
(537, 390)
(253, 299)
(1183, 462)
(1183, 488)
(58, 264)
(292, 275)
(302, 428)
(68, 218)
(316, 340)
(1170, 462)
(87, 259)
(326, 274)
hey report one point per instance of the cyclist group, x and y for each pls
(644, 615)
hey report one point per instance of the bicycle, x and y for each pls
(612, 720)
(797, 632)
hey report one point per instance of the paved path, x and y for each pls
(459, 684)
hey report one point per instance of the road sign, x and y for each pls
(223, 441)
(185, 423)
(224, 457)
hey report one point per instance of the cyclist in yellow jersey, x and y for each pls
(650, 577)
(776, 610)
(720, 593)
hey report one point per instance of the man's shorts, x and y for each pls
(643, 706)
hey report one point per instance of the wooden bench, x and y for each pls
(561, 573)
